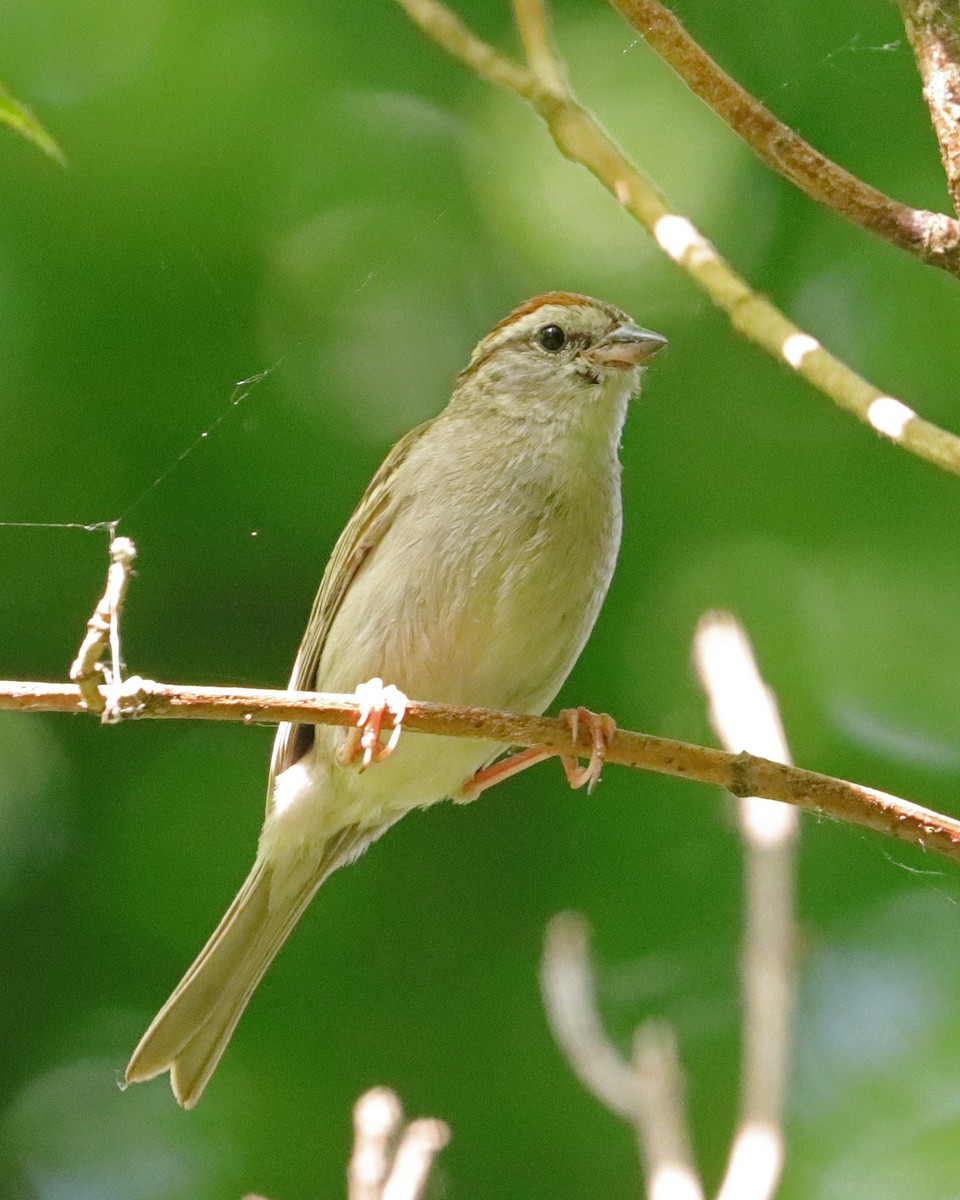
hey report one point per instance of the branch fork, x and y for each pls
(541, 82)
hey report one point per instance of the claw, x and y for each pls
(376, 700)
(602, 728)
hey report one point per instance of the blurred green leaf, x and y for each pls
(20, 118)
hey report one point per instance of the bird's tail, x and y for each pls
(191, 1031)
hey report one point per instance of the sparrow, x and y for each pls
(471, 573)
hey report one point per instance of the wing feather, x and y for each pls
(371, 519)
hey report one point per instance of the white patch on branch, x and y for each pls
(889, 416)
(797, 347)
(677, 237)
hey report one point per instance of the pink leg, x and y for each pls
(499, 771)
(602, 729)
(376, 700)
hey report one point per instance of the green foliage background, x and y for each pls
(315, 193)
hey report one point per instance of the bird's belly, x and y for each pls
(315, 798)
(492, 611)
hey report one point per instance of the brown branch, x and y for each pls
(933, 27)
(930, 236)
(580, 138)
(742, 774)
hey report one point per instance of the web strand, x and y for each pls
(242, 389)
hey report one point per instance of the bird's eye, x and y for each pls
(552, 338)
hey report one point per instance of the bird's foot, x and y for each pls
(601, 727)
(376, 700)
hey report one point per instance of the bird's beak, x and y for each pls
(628, 346)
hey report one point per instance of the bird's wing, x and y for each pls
(371, 519)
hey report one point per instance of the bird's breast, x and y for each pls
(484, 596)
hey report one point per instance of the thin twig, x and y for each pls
(377, 1116)
(742, 774)
(663, 1130)
(930, 236)
(647, 1092)
(745, 716)
(933, 27)
(566, 982)
(581, 139)
(421, 1142)
(103, 628)
(534, 25)
(390, 1162)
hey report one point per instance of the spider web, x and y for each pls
(242, 391)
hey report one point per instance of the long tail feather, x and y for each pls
(191, 1031)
